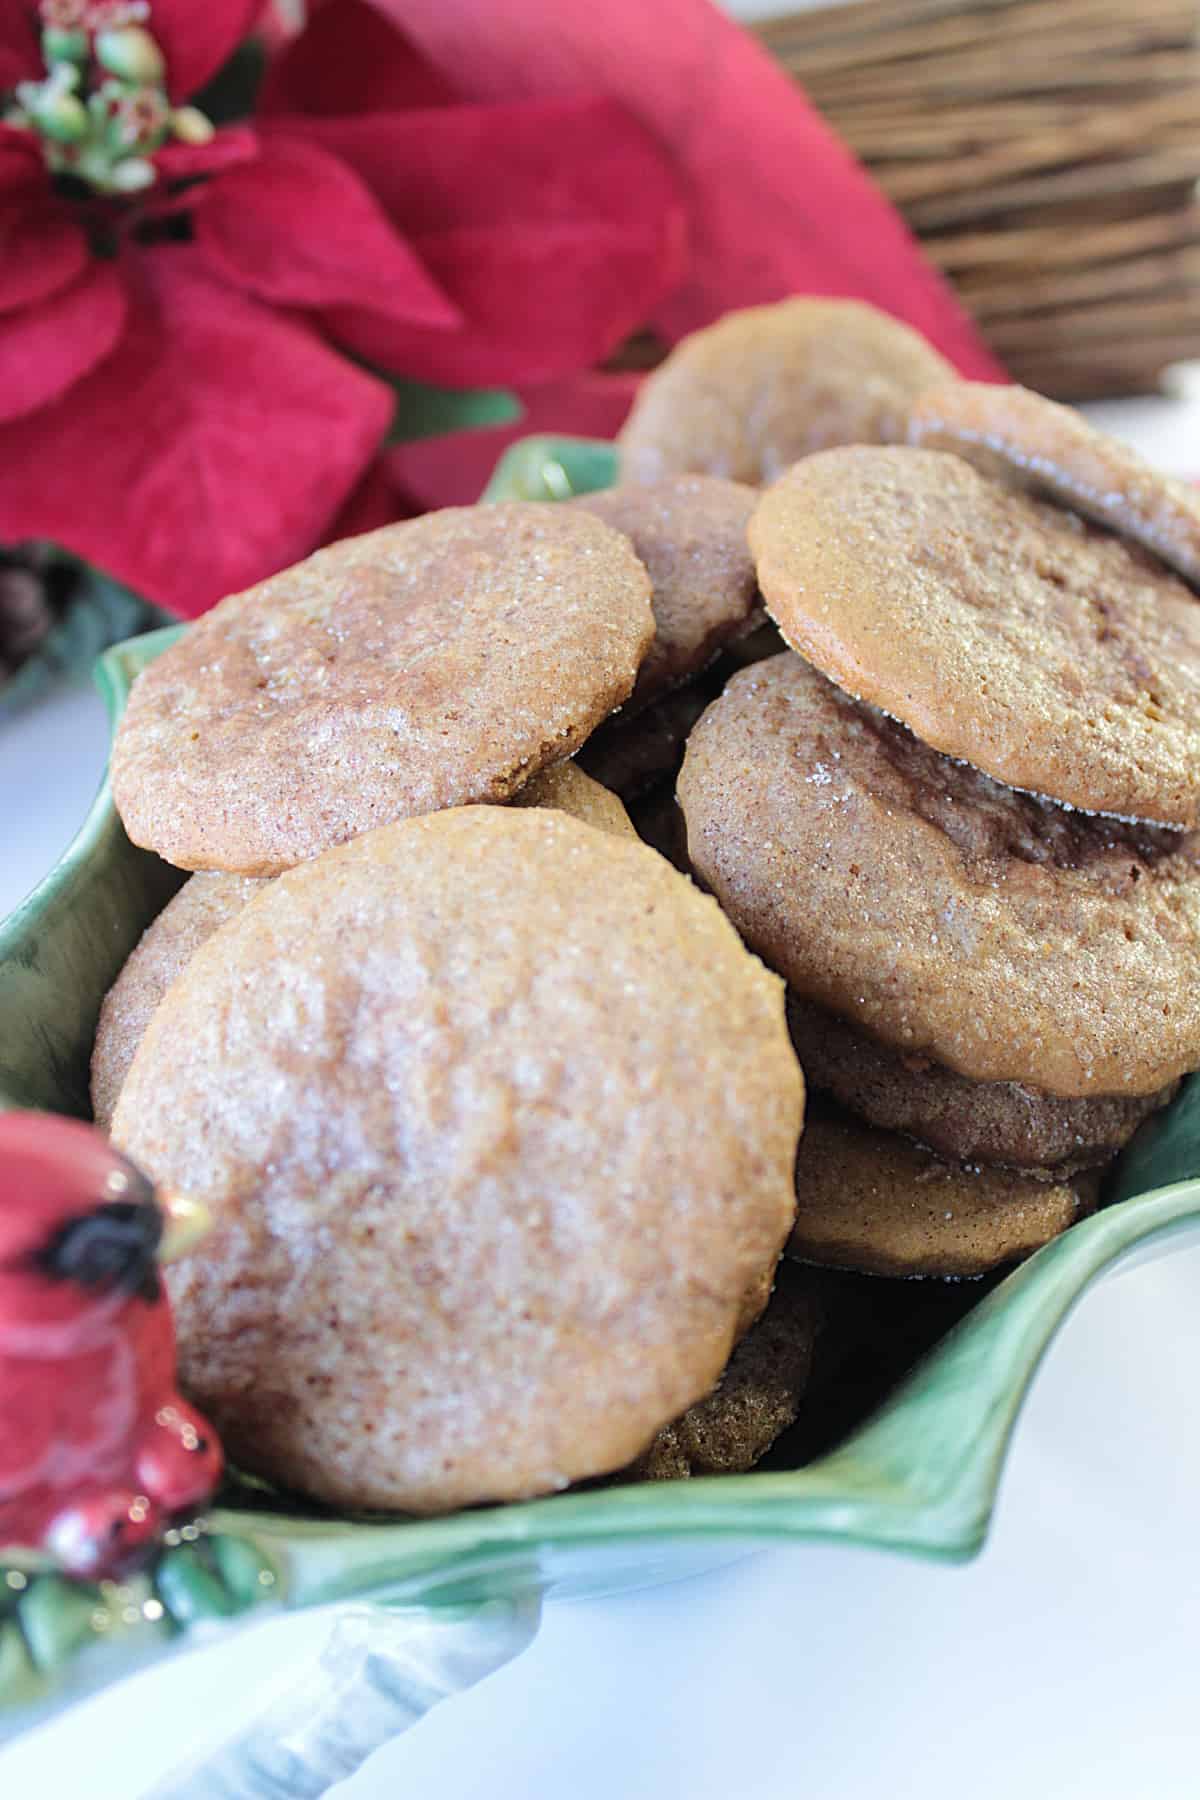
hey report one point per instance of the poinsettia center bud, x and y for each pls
(102, 109)
(131, 53)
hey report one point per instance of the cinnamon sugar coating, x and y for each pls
(497, 1121)
(426, 665)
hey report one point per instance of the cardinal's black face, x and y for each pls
(114, 1246)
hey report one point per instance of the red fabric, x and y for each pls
(48, 347)
(776, 203)
(256, 227)
(250, 435)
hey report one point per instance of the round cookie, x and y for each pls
(690, 532)
(429, 664)
(1004, 632)
(565, 788)
(1019, 437)
(750, 395)
(995, 1122)
(468, 1101)
(207, 900)
(202, 905)
(757, 1398)
(870, 1201)
(1005, 938)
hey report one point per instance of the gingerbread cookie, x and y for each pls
(761, 388)
(565, 788)
(208, 900)
(1004, 1122)
(468, 1101)
(432, 663)
(758, 1396)
(870, 1201)
(1022, 438)
(201, 906)
(690, 532)
(950, 917)
(1004, 632)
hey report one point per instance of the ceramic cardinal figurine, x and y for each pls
(98, 1453)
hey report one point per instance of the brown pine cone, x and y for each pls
(26, 608)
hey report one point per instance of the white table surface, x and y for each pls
(1061, 1664)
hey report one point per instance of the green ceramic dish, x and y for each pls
(919, 1477)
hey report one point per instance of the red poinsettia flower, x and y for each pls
(187, 316)
(775, 204)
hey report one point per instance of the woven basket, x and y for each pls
(1046, 153)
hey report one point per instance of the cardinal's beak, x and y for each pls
(184, 1224)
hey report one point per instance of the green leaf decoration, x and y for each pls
(423, 411)
(60, 1638)
(549, 468)
(1165, 1150)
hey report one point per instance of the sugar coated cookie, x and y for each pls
(432, 663)
(1004, 1122)
(870, 1201)
(1005, 632)
(1022, 438)
(748, 396)
(758, 1396)
(950, 917)
(565, 788)
(497, 1122)
(690, 532)
(202, 905)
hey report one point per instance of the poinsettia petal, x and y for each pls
(529, 162)
(41, 246)
(298, 228)
(374, 502)
(540, 302)
(231, 146)
(20, 149)
(20, 56)
(776, 203)
(47, 348)
(552, 252)
(454, 469)
(210, 449)
(197, 38)
(349, 59)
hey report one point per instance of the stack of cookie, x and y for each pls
(958, 816)
(729, 409)
(496, 1113)
(460, 1067)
